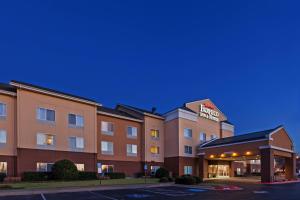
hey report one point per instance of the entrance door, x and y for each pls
(218, 171)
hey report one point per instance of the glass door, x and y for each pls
(218, 171)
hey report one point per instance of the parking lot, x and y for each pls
(244, 191)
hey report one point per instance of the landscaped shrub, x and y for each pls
(188, 180)
(163, 180)
(115, 175)
(87, 175)
(2, 177)
(170, 179)
(64, 170)
(37, 176)
(161, 172)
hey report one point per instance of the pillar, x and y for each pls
(290, 167)
(203, 167)
(231, 169)
(267, 165)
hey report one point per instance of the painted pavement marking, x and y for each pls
(43, 197)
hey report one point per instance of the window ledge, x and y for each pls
(132, 154)
(46, 122)
(107, 133)
(76, 127)
(49, 147)
(107, 153)
(131, 137)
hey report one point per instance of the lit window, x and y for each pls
(188, 170)
(155, 134)
(44, 167)
(154, 150)
(76, 120)
(3, 167)
(188, 133)
(154, 168)
(131, 131)
(107, 168)
(45, 139)
(131, 149)
(3, 136)
(107, 128)
(107, 147)
(202, 137)
(3, 110)
(80, 167)
(45, 114)
(76, 143)
(188, 149)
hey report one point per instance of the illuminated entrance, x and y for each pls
(218, 171)
(220, 157)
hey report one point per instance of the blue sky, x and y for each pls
(244, 55)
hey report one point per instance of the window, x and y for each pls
(131, 149)
(75, 120)
(45, 139)
(188, 133)
(257, 162)
(107, 128)
(44, 167)
(80, 167)
(188, 149)
(154, 168)
(155, 134)
(188, 170)
(203, 137)
(107, 147)
(107, 168)
(3, 137)
(3, 167)
(131, 132)
(45, 115)
(76, 143)
(213, 136)
(154, 150)
(2, 110)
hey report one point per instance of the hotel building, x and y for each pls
(39, 126)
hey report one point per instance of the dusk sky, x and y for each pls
(243, 55)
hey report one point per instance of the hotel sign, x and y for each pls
(207, 111)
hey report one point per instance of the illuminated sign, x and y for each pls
(207, 111)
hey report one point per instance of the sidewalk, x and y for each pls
(15, 192)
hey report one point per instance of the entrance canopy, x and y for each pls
(263, 145)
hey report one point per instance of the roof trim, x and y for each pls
(52, 93)
(276, 148)
(141, 112)
(230, 144)
(118, 116)
(8, 93)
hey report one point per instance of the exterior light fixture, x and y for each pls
(234, 154)
(248, 153)
(211, 156)
(222, 155)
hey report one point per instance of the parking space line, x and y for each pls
(43, 197)
(101, 195)
(168, 192)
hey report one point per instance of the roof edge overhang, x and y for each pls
(55, 94)
(8, 93)
(277, 148)
(119, 116)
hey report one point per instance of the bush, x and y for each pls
(171, 179)
(37, 176)
(87, 175)
(2, 177)
(163, 180)
(115, 175)
(64, 170)
(188, 180)
(161, 172)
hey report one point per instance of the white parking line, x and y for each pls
(260, 192)
(43, 197)
(101, 195)
(166, 192)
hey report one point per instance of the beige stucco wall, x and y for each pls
(171, 137)
(8, 124)
(158, 124)
(29, 126)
